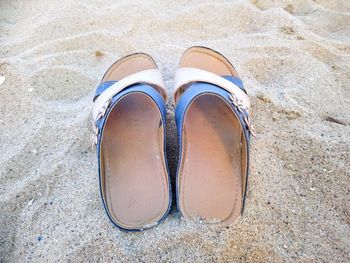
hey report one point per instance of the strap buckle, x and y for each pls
(239, 105)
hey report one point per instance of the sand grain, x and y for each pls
(294, 58)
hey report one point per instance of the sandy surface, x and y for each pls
(294, 57)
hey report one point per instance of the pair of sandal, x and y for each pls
(213, 125)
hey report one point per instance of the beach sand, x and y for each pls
(294, 58)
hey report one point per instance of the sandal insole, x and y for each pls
(135, 183)
(210, 172)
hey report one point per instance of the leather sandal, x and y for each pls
(213, 125)
(129, 114)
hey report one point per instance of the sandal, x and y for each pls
(129, 114)
(214, 130)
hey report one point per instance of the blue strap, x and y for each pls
(146, 89)
(102, 87)
(197, 89)
(237, 81)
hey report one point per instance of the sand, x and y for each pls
(294, 58)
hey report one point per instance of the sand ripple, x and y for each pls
(294, 59)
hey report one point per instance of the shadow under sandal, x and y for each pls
(129, 116)
(214, 132)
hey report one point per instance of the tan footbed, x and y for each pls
(133, 170)
(213, 159)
